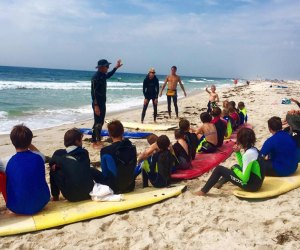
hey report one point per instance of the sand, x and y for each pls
(216, 221)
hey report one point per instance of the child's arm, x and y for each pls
(35, 150)
(207, 90)
(149, 151)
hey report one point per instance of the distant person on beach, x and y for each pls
(247, 174)
(150, 91)
(26, 187)
(98, 92)
(280, 150)
(70, 171)
(213, 98)
(235, 81)
(172, 80)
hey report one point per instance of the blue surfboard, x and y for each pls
(127, 134)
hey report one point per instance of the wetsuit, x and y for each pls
(26, 186)
(246, 174)
(172, 94)
(184, 158)
(118, 162)
(243, 116)
(157, 169)
(98, 93)
(221, 127)
(192, 140)
(229, 129)
(206, 146)
(210, 106)
(150, 91)
(282, 152)
(72, 175)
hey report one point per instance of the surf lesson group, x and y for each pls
(224, 128)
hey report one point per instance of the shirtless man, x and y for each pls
(172, 81)
(213, 98)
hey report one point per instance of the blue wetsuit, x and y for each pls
(26, 187)
(283, 153)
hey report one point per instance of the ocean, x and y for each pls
(43, 98)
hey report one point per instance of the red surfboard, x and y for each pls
(205, 162)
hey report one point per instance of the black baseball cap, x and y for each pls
(103, 63)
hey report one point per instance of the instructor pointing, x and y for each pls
(98, 92)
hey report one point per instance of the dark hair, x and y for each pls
(179, 134)
(216, 112)
(232, 104)
(152, 139)
(72, 136)
(184, 125)
(241, 105)
(174, 67)
(275, 123)
(231, 110)
(205, 117)
(163, 142)
(115, 128)
(21, 136)
(246, 138)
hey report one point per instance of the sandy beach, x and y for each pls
(217, 221)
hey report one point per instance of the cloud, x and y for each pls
(245, 39)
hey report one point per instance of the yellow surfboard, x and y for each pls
(64, 212)
(147, 127)
(272, 186)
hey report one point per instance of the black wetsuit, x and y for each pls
(174, 97)
(98, 92)
(150, 91)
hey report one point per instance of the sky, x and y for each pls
(216, 38)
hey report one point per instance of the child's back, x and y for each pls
(27, 190)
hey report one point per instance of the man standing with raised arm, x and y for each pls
(172, 81)
(98, 92)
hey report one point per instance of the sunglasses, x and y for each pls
(152, 72)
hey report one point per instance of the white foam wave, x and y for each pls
(195, 81)
(60, 85)
(3, 114)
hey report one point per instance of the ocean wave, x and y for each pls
(3, 114)
(60, 85)
(195, 81)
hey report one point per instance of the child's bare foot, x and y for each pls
(199, 193)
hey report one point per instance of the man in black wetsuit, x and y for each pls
(150, 91)
(98, 92)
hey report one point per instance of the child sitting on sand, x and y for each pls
(158, 167)
(247, 174)
(280, 150)
(225, 104)
(229, 120)
(182, 151)
(26, 186)
(235, 118)
(221, 125)
(70, 171)
(2, 180)
(191, 138)
(207, 134)
(242, 113)
(213, 98)
(118, 161)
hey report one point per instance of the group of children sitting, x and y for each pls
(71, 175)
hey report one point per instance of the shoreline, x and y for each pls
(188, 221)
